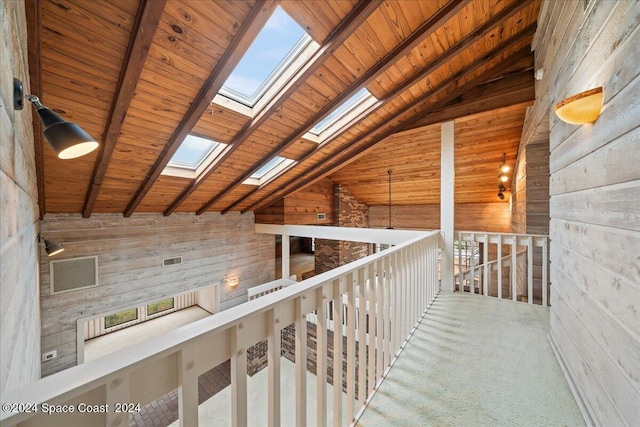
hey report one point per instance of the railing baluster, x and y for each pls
(362, 337)
(337, 353)
(472, 286)
(499, 266)
(301, 363)
(485, 256)
(274, 350)
(545, 272)
(321, 356)
(530, 270)
(238, 378)
(514, 268)
(371, 342)
(351, 348)
(386, 319)
(118, 392)
(379, 319)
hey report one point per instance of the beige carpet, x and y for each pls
(476, 361)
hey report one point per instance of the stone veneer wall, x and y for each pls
(347, 212)
(19, 224)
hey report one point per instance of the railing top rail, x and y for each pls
(67, 384)
(504, 238)
(352, 234)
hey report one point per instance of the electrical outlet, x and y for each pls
(49, 355)
(321, 216)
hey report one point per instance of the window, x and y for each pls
(159, 306)
(120, 318)
(270, 170)
(194, 154)
(272, 53)
(351, 104)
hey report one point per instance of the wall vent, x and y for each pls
(321, 216)
(73, 274)
(171, 261)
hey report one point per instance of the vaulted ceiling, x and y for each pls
(142, 75)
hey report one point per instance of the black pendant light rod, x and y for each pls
(389, 227)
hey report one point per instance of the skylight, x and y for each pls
(273, 50)
(267, 167)
(270, 170)
(192, 152)
(193, 155)
(344, 109)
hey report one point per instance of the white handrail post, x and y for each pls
(301, 363)
(545, 272)
(286, 272)
(472, 285)
(188, 386)
(379, 319)
(386, 318)
(321, 355)
(447, 207)
(274, 350)
(337, 353)
(530, 270)
(499, 266)
(362, 336)
(514, 268)
(238, 377)
(351, 347)
(371, 342)
(118, 392)
(485, 256)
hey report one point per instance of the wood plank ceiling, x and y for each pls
(141, 75)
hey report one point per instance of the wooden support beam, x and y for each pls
(463, 44)
(144, 28)
(422, 32)
(354, 19)
(34, 40)
(338, 161)
(258, 16)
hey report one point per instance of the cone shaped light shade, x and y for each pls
(68, 140)
(582, 108)
(52, 248)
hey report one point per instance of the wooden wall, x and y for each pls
(468, 216)
(595, 201)
(302, 207)
(130, 253)
(20, 331)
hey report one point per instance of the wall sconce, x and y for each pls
(50, 247)
(232, 282)
(582, 108)
(68, 140)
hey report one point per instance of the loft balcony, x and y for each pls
(413, 353)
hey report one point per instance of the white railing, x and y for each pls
(148, 370)
(268, 288)
(520, 277)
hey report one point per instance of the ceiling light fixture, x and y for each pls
(67, 139)
(52, 248)
(504, 168)
(581, 108)
(501, 195)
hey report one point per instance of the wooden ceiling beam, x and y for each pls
(340, 161)
(506, 92)
(256, 19)
(354, 19)
(458, 47)
(422, 32)
(144, 28)
(33, 10)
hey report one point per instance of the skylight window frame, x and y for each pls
(299, 49)
(182, 170)
(271, 173)
(360, 103)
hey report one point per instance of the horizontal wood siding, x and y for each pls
(20, 331)
(492, 217)
(301, 208)
(130, 272)
(594, 201)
